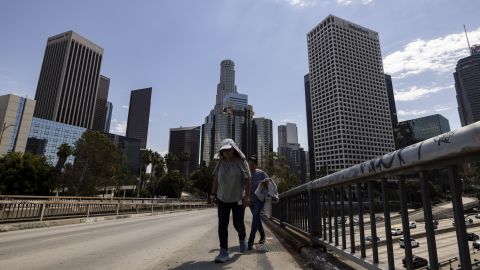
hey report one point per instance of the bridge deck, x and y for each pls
(169, 241)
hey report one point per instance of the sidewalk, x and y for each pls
(271, 255)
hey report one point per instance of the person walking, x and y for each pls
(231, 192)
(256, 205)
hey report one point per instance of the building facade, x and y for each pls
(231, 117)
(68, 84)
(130, 148)
(419, 129)
(139, 115)
(467, 86)
(350, 111)
(308, 107)
(16, 115)
(262, 139)
(108, 116)
(289, 147)
(101, 109)
(46, 136)
(392, 106)
(185, 140)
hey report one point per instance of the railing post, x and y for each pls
(350, 217)
(388, 226)
(283, 210)
(373, 222)
(152, 208)
(427, 214)
(118, 207)
(312, 219)
(335, 214)
(361, 227)
(405, 223)
(342, 213)
(323, 195)
(42, 211)
(330, 229)
(456, 191)
(88, 210)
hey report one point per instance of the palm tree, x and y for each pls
(64, 151)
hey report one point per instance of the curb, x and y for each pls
(71, 221)
(313, 258)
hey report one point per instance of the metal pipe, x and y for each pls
(456, 191)
(388, 227)
(373, 222)
(427, 214)
(361, 227)
(405, 223)
(350, 216)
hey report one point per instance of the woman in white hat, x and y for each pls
(230, 190)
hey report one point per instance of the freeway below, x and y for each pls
(186, 240)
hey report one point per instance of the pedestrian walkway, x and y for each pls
(271, 255)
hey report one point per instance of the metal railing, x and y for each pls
(39, 208)
(330, 210)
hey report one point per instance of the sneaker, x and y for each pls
(262, 240)
(250, 245)
(243, 246)
(223, 256)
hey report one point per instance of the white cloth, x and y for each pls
(271, 191)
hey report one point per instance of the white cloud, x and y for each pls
(414, 92)
(119, 128)
(301, 3)
(441, 108)
(438, 55)
(125, 106)
(411, 112)
(352, 2)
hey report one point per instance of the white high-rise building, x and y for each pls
(349, 103)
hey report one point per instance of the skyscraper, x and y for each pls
(16, 115)
(68, 83)
(100, 116)
(467, 85)
(308, 108)
(289, 147)
(108, 116)
(230, 118)
(392, 106)
(419, 129)
(262, 139)
(185, 141)
(139, 115)
(350, 111)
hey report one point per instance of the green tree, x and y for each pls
(278, 169)
(170, 185)
(25, 174)
(202, 178)
(171, 161)
(64, 151)
(98, 163)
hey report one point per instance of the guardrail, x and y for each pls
(32, 208)
(324, 208)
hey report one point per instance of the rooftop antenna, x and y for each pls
(468, 42)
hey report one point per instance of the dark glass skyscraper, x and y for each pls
(68, 83)
(393, 107)
(185, 141)
(467, 85)
(139, 115)
(419, 129)
(101, 105)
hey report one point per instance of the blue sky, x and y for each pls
(176, 47)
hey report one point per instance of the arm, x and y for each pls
(246, 197)
(214, 189)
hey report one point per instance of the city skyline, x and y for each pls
(421, 62)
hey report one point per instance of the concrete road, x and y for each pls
(185, 240)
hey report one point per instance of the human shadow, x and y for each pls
(210, 263)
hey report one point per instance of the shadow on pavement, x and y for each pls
(210, 264)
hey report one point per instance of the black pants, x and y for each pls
(224, 218)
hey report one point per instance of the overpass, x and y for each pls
(336, 212)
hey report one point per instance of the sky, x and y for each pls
(176, 46)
